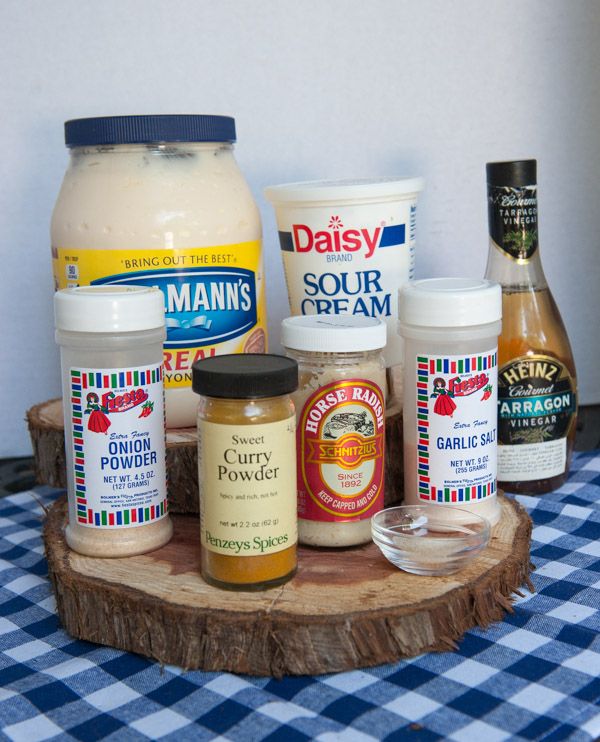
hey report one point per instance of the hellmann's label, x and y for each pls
(537, 403)
(341, 448)
(214, 296)
(247, 477)
(350, 259)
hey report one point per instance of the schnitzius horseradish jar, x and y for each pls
(110, 341)
(160, 201)
(340, 409)
(451, 327)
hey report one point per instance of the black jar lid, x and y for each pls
(112, 130)
(245, 376)
(514, 173)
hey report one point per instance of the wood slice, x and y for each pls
(46, 429)
(343, 609)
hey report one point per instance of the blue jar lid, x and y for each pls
(107, 130)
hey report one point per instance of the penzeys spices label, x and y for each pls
(341, 452)
(250, 473)
(537, 402)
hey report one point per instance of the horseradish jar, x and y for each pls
(340, 410)
(160, 201)
(450, 327)
(110, 341)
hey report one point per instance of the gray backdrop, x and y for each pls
(319, 90)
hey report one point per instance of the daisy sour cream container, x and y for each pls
(347, 247)
(450, 327)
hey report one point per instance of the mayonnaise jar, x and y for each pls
(160, 201)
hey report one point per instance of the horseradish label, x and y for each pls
(117, 418)
(341, 447)
(457, 427)
(250, 473)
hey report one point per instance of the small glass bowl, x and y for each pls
(429, 539)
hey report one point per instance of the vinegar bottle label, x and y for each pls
(536, 412)
(513, 220)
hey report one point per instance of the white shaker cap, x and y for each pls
(333, 333)
(109, 309)
(450, 302)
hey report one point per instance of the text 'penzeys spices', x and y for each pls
(247, 469)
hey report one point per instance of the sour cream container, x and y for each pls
(160, 201)
(347, 247)
(451, 328)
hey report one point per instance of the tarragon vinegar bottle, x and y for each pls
(537, 391)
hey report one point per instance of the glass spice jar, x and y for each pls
(340, 406)
(247, 469)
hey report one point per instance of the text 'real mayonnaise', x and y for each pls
(160, 201)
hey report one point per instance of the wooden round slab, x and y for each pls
(46, 429)
(343, 610)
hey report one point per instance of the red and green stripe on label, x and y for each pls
(127, 517)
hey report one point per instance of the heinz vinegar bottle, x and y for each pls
(537, 390)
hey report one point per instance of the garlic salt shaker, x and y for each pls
(450, 327)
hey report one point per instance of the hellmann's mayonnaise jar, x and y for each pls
(160, 201)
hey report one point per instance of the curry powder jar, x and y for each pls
(247, 469)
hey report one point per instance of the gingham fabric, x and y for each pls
(535, 676)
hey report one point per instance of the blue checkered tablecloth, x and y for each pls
(535, 676)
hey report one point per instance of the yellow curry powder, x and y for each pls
(247, 469)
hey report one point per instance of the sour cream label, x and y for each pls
(457, 427)
(350, 259)
(340, 452)
(118, 446)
